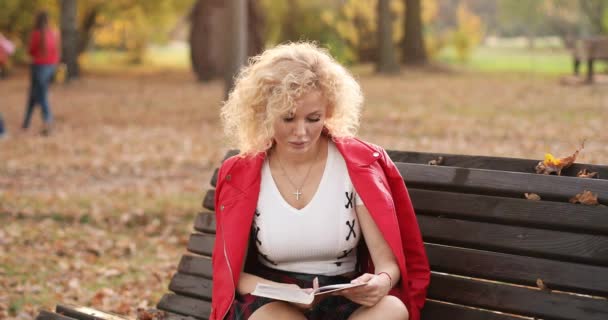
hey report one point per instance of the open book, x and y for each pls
(296, 295)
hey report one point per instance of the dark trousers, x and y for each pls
(41, 75)
(2, 130)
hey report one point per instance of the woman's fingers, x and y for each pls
(364, 278)
(369, 294)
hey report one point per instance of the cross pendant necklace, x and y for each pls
(298, 192)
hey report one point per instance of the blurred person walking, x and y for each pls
(44, 50)
(6, 50)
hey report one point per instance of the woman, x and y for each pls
(306, 199)
(44, 50)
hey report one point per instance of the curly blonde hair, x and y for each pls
(271, 84)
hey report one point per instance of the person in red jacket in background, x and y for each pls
(44, 50)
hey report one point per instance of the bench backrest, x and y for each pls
(494, 254)
(591, 48)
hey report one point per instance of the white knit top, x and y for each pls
(320, 238)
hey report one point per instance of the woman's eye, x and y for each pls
(288, 119)
(314, 119)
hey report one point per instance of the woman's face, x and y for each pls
(298, 132)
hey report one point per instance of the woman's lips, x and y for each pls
(298, 144)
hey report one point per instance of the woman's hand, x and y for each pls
(378, 286)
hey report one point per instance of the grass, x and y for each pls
(539, 61)
(547, 58)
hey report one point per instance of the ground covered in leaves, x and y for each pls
(100, 212)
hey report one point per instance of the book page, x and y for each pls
(337, 288)
(283, 293)
(299, 295)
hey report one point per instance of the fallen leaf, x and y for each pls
(436, 162)
(532, 196)
(554, 165)
(74, 283)
(123, 308)
(110, 273)
(541, 284)
(150, 314)
(586, 197)
(584, 173)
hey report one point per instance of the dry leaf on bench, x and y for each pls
(541, 284)
(552, 164)
(586, 197)
(586, 174)
(436, 162)
(150, 314)
(532, 196)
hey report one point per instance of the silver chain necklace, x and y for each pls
(298, 192)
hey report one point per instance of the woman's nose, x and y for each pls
(300, 128)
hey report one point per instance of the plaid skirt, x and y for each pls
(331, 307)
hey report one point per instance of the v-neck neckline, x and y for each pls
(275, 188)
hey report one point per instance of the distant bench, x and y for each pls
(494, 255)
(588, 50)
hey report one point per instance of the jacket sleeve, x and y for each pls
(417, 264)
(218, 244)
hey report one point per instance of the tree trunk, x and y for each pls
(237, 46)
(594, 11)
(414, 52)
(69, 38)
(201, 48)
(387, 63)
(208, 37)
(88, 26)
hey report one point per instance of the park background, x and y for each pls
(99, 212)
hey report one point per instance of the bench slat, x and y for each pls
(196, 266)
(440, 310)
(186, 306)
(214, 177)
(546, 214)
(557, 275)
(205, 222)
(472, 161)
(86, 313)
(565, 276)
(543, 214)
(192, 286)
(516, 299)
(199, 287)
(209, 201)
(49, 315)
(511, 184)
(591, 249)
(489, 163)
(201, 244)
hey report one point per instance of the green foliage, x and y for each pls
(605, 21)
(128, 24)
(468, 33)
(305, 20)
(131, 25)
(17, 21)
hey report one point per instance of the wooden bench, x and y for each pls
(494, 255)
(589, 50)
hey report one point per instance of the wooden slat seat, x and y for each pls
(493, 253)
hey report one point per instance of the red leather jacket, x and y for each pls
(378, 183)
